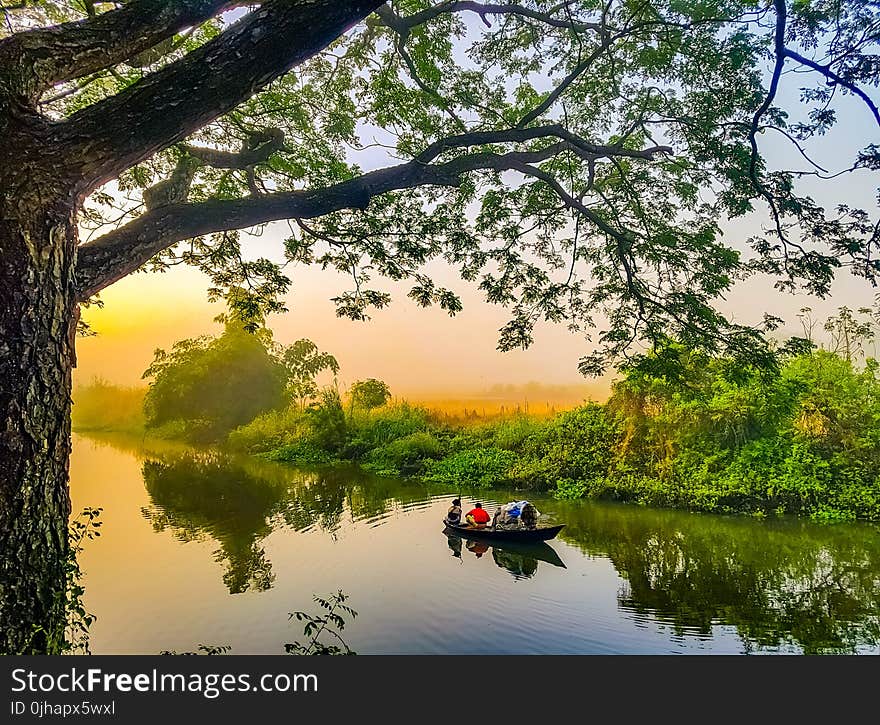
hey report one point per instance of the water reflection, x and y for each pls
(199, 497)
(776, 584)
(454, 543)
(520, 560)
(239, 502)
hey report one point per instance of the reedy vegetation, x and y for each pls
(804, 439)
(680, 429)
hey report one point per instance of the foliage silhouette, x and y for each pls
(330, 623)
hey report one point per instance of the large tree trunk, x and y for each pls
(37, 325)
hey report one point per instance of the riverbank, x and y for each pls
(702, 434)
(804, 440)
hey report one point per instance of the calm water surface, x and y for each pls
(200, 548)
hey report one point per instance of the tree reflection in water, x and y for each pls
(779, 583)
(238, 503)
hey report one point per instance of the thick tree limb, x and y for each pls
(164, 108)
(403, 24)
(34, 60)
(120, 252)
(259, 147)
(518, 135)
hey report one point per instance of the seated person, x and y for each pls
(453, 516)
(477, 516)
(529, 515)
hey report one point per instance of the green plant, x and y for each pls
(68, 633)
(208, 386)
(303, 361)
(369, 394)
(271, 430)
(329, 428)
(473, 467)
(405, 456)
(330, 623)
(203, 649)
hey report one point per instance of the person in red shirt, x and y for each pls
(477, 516)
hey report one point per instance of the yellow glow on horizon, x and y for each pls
(421, 353)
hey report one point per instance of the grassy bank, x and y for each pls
(102, 406)
(680, 430)
(704, 434)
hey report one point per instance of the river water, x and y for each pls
(199, 547)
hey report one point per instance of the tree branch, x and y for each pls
(256, 150)
(826, 71)
(563, 85)
(122, 251)
(584, 148)
(404, 24)
(779, 46)
(164, 108)
(35, 60)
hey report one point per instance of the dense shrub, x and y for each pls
(373, 429)
(216, 383)
(407, 456)
(271, 430)
(473, 467)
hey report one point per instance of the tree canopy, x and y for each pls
(370, 393)
(214, 384)
(575, 158)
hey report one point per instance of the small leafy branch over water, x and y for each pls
(82, 528)
(68, 630)
(331, 623)
(203, 649)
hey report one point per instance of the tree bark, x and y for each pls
(37, 326)
(46, 169)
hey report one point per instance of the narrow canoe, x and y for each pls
(540, 534)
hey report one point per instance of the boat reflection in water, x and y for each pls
(521, 560)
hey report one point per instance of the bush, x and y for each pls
(517, 433)
(226, 381)
(407, 456)
(327, 423)
(301, 451)
(579, 444)
(473, 467)
(376, 428)
(566, 488)
(275, 429)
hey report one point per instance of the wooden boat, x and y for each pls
(544, 533)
